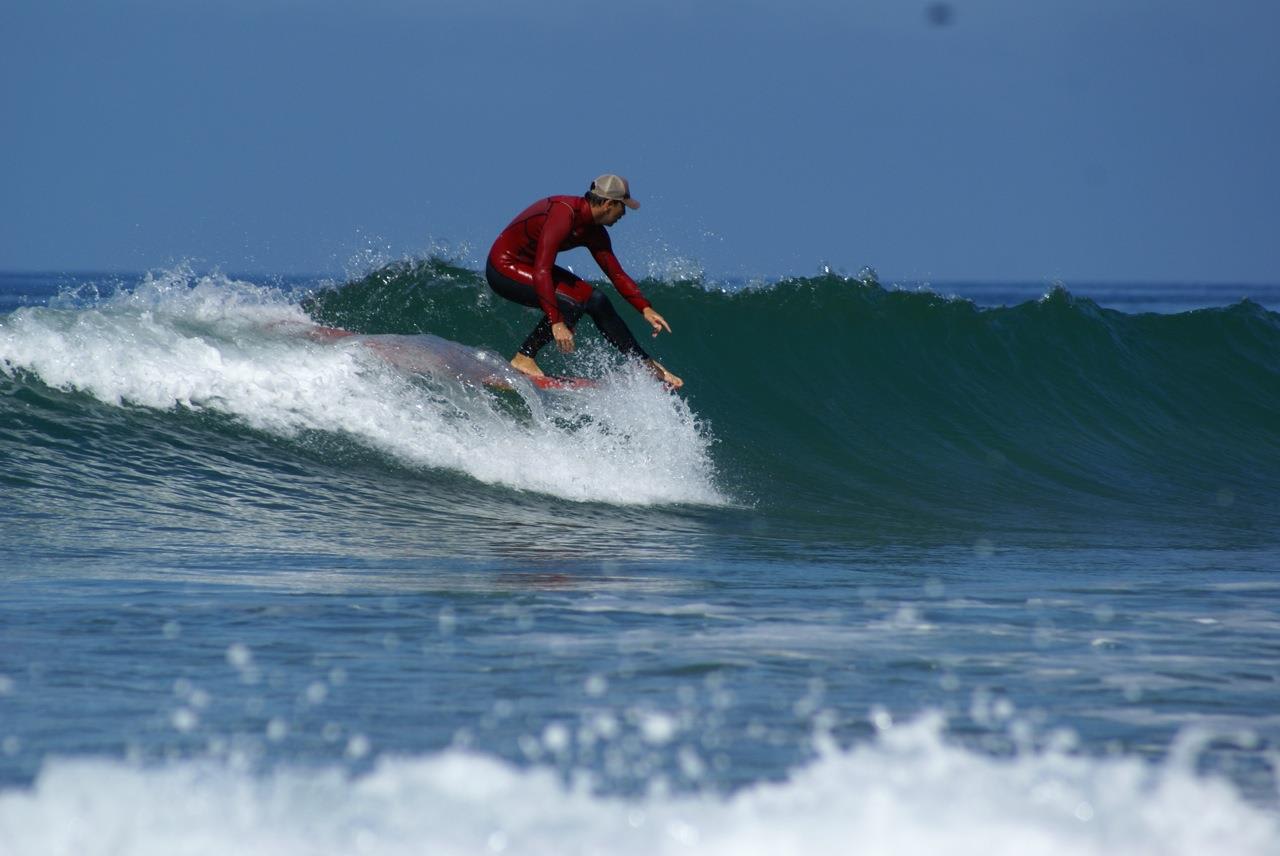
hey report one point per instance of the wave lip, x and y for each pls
(908, 792)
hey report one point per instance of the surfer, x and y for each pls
(521, 267)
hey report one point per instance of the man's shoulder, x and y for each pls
(547, 204)
(576, 204)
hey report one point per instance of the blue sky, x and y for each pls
(1081, 140)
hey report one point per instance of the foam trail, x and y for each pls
(907, 793)
(221, 345)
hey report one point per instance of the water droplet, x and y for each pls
(358, 746)
(239, 655)
(184, 719)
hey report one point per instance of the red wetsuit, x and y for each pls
(526, 252)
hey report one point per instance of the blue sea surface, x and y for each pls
(953, 568)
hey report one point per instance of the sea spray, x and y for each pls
(909, 792)
(216, 344)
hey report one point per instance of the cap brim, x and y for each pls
(630, 203)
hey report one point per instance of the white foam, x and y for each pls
(216, 344)
(909, 792)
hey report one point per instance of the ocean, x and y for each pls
(948, 568)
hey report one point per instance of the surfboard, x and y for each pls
(424, 353)
(326, 334)
(546, 383)
(563, 382)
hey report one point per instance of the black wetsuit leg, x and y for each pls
(611, 325)
(598, 306)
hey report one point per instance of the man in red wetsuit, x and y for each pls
(521, 267)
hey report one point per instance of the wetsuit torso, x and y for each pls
(530, 244)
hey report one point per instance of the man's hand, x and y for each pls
(564, 337)
(659, 323)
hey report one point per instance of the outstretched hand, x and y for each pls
(659, 323)
(563, 336)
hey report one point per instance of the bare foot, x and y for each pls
(665, 376)
(525, 364)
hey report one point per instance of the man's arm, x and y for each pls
(602, 251)
(554, 231)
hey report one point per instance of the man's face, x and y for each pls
(613, 212)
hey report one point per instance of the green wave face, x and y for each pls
(834, 397)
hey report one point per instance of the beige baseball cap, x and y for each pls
(611, 186)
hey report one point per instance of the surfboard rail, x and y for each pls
(395, 349)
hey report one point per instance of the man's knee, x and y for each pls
(597, 302)
(570, 309)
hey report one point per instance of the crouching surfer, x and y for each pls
(521, 267)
